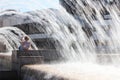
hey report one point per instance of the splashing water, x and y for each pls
(10, 37)
(87, 30)
(62, 27)
(102, 18)
(91, 28)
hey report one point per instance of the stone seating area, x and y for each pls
(20, 58)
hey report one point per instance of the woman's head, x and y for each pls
(26, 38)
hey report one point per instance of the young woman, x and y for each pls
(25, 44)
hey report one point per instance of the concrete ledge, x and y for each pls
(20, 58)
(108, 58)
(41, 72)
(51, 72)
(5, 61)
(40, 56)
(49, 55)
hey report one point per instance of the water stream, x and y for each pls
(84, 29)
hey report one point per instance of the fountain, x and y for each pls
(10, 38)
(86, 33)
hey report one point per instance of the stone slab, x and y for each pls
(52, 72)
(48, 55)
(5, 61)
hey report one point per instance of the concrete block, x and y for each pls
(107, 58)
(5, 61)
(19, 60)
(48, 55)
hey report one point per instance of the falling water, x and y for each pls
(60, 26)
(85, 29)
(91, 28)
(10, 38)
(102, 18)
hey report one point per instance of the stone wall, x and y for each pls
(5, 61)
(20, 58)
(2, 47)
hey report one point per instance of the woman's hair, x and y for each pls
(26, 38)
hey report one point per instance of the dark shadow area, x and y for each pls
(8, 75)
